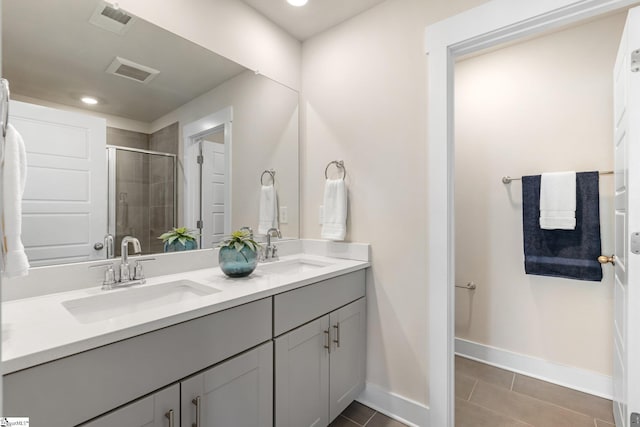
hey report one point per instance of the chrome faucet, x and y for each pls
(271, 251)
(247, 229)
(125, 274)
(111, 281)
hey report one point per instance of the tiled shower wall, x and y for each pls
(144, 186)
(162, 185)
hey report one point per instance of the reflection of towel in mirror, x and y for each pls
(14, 176)
(268, 209)
(334, 214)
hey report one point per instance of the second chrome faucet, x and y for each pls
(271, 251)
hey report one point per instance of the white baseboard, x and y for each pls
(399, 408)
(567, 376)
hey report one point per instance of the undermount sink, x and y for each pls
(112, 304)
(293, 266)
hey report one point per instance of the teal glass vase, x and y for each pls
(176, 246)
(235, 263)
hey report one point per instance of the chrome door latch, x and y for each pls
(635, 418)
(635, 243)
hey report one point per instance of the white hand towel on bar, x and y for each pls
(334, 214)
(14, 176)
(558, 201)
(268, 209)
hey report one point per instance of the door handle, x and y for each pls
(337, 328)
(603, 259)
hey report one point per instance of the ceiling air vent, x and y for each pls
(130, 70)
(116, 14)
(111, 18)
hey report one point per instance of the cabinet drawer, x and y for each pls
(294, 308)
(151, 411)
(74, 389)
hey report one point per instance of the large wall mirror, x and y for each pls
(179, 136)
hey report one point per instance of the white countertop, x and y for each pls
(40, 329)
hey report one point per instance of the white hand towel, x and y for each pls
(558, 201)
(268, 209)
(334, 214)
(14, 177)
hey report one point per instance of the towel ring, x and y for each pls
(5, 106)
(269, 172)
(339, 164)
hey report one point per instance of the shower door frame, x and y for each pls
(488, 25)
(111, 183)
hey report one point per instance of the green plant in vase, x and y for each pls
(179, 239)
(238, 255)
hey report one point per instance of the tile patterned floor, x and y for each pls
(358, 415)
(491, 397)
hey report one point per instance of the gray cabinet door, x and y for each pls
(302, 376)
(156, 410)
(238, 392)
(347, 363)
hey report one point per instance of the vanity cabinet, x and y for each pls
(161, 409)
(72, 390)
(298, 355)
(320, 365)
(238, 392)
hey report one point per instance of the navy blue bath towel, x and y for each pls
(571, 254)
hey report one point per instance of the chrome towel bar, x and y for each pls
(507, 179)
(471, 286)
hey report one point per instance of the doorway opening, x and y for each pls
(469, 32)
(213, 223)
(208, 175)
(528, 108)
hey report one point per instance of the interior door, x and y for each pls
(64, 210)
(214, 189)
(626, 372)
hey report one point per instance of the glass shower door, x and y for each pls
(142, 196)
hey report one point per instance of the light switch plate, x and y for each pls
(284, 215)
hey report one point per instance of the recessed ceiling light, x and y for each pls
(297, 3)
(89, 100)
